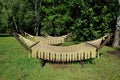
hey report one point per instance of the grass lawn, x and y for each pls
(15, 65)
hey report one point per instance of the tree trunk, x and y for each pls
(117, 35)
(117, 32)
(37, 16)
(116, 39)
(14, 20)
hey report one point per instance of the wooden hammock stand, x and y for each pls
(62, 54)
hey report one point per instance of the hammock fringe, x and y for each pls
(49, 39)
(82, 51)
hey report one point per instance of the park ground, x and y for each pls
(16, 65)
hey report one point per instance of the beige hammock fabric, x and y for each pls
(26, 41)
(96, 43)
(49, 39)
(61, 53)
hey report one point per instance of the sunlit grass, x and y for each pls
(16, 65)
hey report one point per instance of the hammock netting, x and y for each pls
(82, 51)
(49, 39)
(70, 53)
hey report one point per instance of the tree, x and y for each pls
(16, 15)
(10, 6)
(117, 32)
(86, 19)
(56, 17)
(4, 17)
(92, 19)
(37, 11)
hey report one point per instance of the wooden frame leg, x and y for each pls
(98, 54)
(82, 64)
(43, 63)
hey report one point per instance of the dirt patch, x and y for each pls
(1, 77)
(115, 53)
(63, 66)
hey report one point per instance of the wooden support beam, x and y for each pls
(105, 42)
(34, 44)
(82, 64)
(22, 44)
(43, 63)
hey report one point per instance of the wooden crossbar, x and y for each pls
(106, 41)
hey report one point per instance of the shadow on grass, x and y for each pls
(117, 53)
(63, 65)
(118, 49)
(6, 35)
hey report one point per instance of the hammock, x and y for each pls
(49, 39)
(96, 43)
(77, 52)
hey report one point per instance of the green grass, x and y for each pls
(15, 65)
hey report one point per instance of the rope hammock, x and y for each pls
(96, 43)
(49, 39)
(82, 51)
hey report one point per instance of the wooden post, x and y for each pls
(105, 42)
(26, 47)
(82, 64)
(43, 63)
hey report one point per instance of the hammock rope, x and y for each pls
(61, 53)
(49, 39)
(57, 54)
(96, 43)
(70, 53)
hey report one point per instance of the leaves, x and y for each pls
(86, 19)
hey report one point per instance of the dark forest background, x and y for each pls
(86, 19)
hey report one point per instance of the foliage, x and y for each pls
(56, 17)
(93, 18)
(17, 9)
(86, 19)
